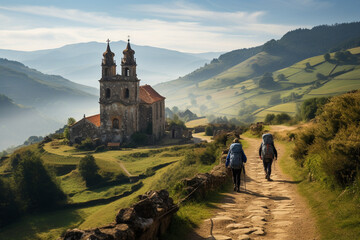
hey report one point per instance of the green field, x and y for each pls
(236, 89)
(157, 167)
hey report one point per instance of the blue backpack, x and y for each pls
(236, 161)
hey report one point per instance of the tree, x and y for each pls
(321, 76)
(70, 122)
(89, 170)
(327, 57)
(281, 77)
(35, 186)
(8, 206)
(209, 131)
(269, 118)
(312, 107)
(267, 81)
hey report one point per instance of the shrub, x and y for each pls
(209, 131)
(89, 170)
(269, 118)
(9, 209)
(86, 145)
(35, 186)
(101, 148)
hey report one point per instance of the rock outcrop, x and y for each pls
(145, 220)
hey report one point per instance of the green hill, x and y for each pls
(299, 82)
(207, 91)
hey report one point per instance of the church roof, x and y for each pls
(149, 95)
(95, 119)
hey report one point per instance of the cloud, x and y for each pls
(177, 26)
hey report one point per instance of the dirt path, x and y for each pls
(267, 210)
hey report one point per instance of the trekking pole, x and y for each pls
(244, 177)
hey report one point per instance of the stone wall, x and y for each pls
(145, 220)
(82, 130)
(203, 183)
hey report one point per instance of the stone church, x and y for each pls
(125, 107)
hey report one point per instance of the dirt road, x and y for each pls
(267, 210)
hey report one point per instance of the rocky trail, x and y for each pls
(266, 210)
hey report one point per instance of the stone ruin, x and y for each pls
(145, 220)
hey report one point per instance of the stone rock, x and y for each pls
(74, 234)
(144, 220)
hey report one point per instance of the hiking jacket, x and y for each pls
(275, 152)
(243, 156)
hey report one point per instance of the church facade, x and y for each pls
(125, 106)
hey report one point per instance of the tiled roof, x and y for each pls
(149, 95)
(95, 119)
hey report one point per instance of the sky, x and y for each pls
(186, 25)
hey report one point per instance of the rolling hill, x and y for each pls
(17, 123)
(81, 62)
(250, 102)
(236, 88)
(34, 103)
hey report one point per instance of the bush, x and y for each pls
(312, 107)
(269, 118)
(89, 170)
(209, 131)
(101, 148)
(86, 145)
(9, 209)
(35, 186)
(335, 139)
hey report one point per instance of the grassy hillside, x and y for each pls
(234, 88)
(233, 95)
(157, 168)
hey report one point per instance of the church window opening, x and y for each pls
(160, 110)
(127, 72)
(157, 111)
(107, 93)
(106, 72)
(115, 123)
(127, 93)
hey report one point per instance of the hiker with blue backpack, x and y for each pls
(236, 159)
(267, 152)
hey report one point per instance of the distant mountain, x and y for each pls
(46, 101)
(51, 94)
(227, 88)
(81, 62)
(17, 123)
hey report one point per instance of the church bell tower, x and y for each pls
(119, 97)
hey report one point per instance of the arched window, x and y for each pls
(106, 72)
(107, 93)
(127, 72)
(115, 123)
(127, 93)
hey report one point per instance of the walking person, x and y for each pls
(236, 159)
(267, 152)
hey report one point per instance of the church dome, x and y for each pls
(128, 58)
(108, 56)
